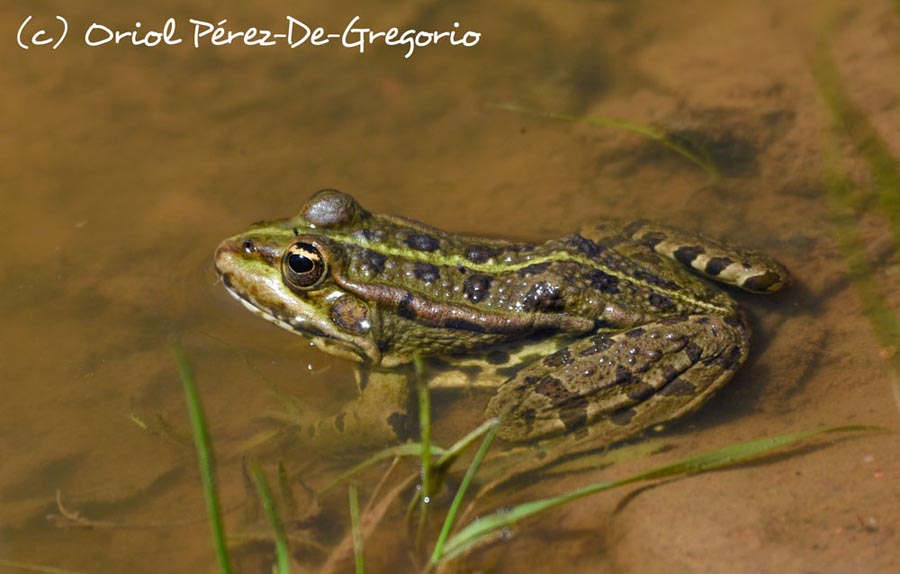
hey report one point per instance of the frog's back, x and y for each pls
(571, 284)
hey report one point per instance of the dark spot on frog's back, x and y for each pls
(477, 287)
(585, 245)
(373, 262)
(661, 302)
(330, 208)
(652, 279)
(426, 272)
(544, 296)
(480, 253)
(603, 282)
(422, 242)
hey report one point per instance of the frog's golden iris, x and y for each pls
(303, 266)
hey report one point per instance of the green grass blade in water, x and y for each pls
(204, 456)
(485, 527)
(28, 567)
(424, 427)
(702, 160)
(356, 525)
(268, 503)
(450, 519)
(413, 449)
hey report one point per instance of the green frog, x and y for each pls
(607, 331)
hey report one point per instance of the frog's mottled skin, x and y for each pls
(605, 329)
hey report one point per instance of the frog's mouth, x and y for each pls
(299, 325)
(294, 327)
(359, 350)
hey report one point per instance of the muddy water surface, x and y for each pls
(124, 166)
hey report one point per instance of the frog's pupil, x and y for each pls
(300, 263)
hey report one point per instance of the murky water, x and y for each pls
(124, 166)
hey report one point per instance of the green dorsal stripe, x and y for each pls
(453, 260)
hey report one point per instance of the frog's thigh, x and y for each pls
(617, 385)
(377, 417)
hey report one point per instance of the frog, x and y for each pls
(609, 331)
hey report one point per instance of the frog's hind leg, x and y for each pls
(714, 260)
(612, 386)
(749, 270)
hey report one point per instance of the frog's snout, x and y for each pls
(223, 253)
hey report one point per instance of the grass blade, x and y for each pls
(425, 439)
(478, 531)
(450, 519)
(359, 557)
(268, 503)
(407, 449)
(28, 567)
(704, 163)
(204, 456)
(424, 427)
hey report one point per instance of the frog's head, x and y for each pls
(284, 272)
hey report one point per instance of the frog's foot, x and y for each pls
(378, 417)
(714, 260)
(614, 386)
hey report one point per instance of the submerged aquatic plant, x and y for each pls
(846, 199)
(691, 151)
(204, 457)
(447, 545)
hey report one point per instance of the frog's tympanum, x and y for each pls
(607, 331)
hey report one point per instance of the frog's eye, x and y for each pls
(303, 266)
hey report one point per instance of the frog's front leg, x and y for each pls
(378, 417)
(618, 384)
